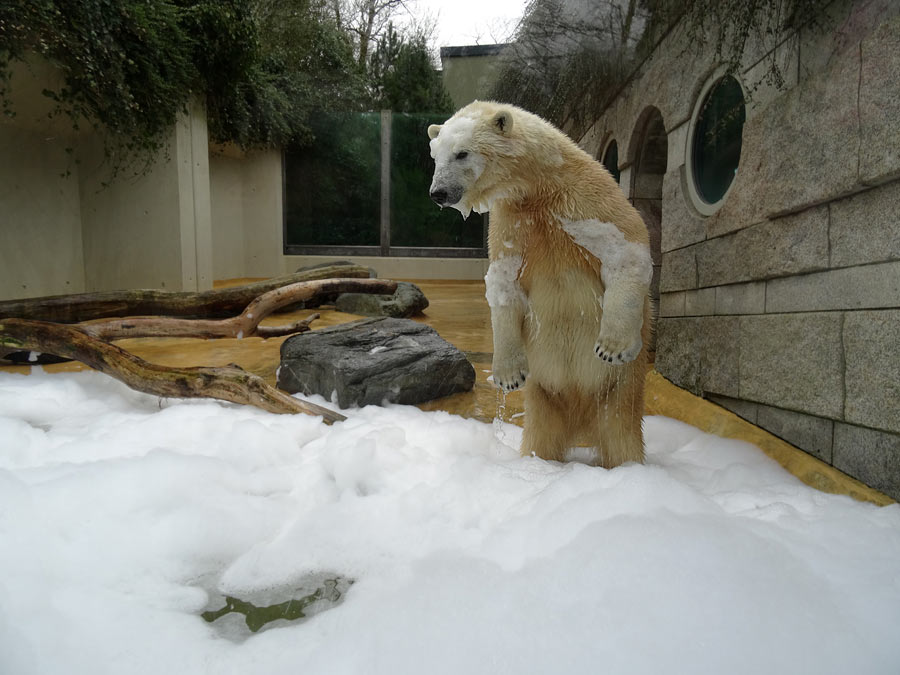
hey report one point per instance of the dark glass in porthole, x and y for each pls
(611, 159)
(717, 139)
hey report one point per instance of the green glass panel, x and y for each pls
(717, 139)
(416, 221)
(333, 187)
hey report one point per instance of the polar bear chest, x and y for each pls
(565, 299)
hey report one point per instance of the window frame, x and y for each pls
(700, 204)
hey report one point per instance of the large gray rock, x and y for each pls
(372, 361)
(407, 300)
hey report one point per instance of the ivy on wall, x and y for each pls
(129, 66)
(571, 57)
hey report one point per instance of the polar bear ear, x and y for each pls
(434, 130)
(503, 121)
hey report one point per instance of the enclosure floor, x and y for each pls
(459, 312)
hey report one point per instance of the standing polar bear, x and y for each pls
(568, 280)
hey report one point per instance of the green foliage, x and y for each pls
(571, 58)
(290, 610)
(126, 65)
(304, 64)
(402, 77)
(129, 66)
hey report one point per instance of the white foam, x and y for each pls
(501, 282)
(119, 518)
(621, 258)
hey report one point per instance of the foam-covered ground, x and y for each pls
(123, 517)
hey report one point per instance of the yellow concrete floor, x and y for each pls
(459, 313)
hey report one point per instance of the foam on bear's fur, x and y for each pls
(502, 284)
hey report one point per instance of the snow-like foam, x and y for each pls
(120, 513)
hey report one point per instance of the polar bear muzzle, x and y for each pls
(447, 196)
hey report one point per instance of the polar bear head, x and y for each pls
(467, 150)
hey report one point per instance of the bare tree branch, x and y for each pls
(228, 384)
(218, 303)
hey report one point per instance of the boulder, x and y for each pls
(407, 300)
(373, 361)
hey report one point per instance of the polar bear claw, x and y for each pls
(510, 372)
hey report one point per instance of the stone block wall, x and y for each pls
(784, 305)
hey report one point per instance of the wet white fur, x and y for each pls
(454, 138)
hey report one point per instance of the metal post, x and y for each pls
(385, 182)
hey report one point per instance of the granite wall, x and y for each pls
(784, 305)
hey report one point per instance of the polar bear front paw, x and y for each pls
(617, 351)
(510, 372)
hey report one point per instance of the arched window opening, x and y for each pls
(611, 159)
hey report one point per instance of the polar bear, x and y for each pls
(567, 283)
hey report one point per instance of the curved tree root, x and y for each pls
(228, 384)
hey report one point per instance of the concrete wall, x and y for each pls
(784, 304)
(40, 223)
(246, 193)
(469, 72)
(152, 231)
(66, 227)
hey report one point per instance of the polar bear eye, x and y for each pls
(462, 155)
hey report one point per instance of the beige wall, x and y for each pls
(246, 195)
(66, 227)
(227, 202)
(469, 72)
(152, 231)
(40, 222)
(263, 219)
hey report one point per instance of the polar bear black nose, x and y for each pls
(439, 196)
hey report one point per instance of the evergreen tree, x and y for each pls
(402, 77)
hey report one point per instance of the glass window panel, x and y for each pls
(333, 187)
(611, 159)
(416, 221)
(717, 139)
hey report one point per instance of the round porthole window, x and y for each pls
(716, 142)
(611, 159)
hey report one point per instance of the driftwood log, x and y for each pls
(228, 384)
(246, 324)
(88, 342)
(215, 304)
